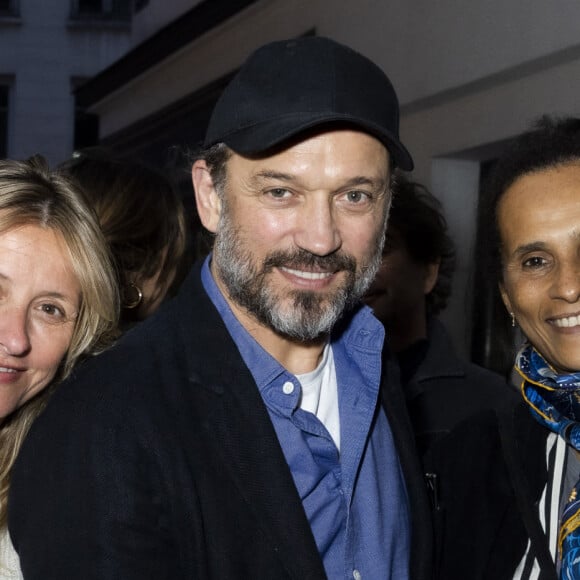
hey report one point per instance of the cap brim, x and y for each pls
(259, 138)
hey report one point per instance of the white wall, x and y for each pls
(429, 47)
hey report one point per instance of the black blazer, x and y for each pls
(444, 389)
(158, 460)
(490, 471)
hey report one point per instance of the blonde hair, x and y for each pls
(31, 194)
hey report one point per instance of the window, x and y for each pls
(140, 4)
(8, 8)
(119, 10)
(4, 101)
(86, 125)
(90, 6)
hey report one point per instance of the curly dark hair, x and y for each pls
(550, 142)
(418, 216)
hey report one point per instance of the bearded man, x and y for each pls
(249, 430)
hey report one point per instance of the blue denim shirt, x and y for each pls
(355, 500)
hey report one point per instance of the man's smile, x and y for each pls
(308, 275)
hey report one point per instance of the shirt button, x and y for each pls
(356, 575)
(288, 388)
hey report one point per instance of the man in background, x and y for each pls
(411, 288)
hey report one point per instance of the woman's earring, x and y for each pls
(513, 319)
(133, 296)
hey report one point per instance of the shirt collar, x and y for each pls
(264, 367)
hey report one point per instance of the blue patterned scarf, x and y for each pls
(554, 401)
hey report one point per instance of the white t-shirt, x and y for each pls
(320, 394)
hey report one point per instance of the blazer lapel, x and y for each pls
(240, 427)
(254, 460)
(421, 524)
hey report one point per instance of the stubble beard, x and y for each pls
(299, 315)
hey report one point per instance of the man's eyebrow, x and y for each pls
(269, 174)
(362, 180)
(354, 181)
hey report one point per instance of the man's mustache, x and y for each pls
(304, 260)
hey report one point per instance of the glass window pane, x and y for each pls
(90, 6)
(102, 9)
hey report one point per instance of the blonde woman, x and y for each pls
(58, 303)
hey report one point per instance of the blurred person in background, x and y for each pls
(143, 220)
(412, 287)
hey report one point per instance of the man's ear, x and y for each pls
(431, 273)
(207, 199)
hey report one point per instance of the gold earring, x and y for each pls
(132, 297)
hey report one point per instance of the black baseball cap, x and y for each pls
(287, 87)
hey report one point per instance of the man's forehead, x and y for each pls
(351, 148)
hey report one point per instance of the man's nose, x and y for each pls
(318, 231)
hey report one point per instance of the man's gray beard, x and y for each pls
(311, 314)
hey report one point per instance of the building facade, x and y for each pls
(47, 49)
